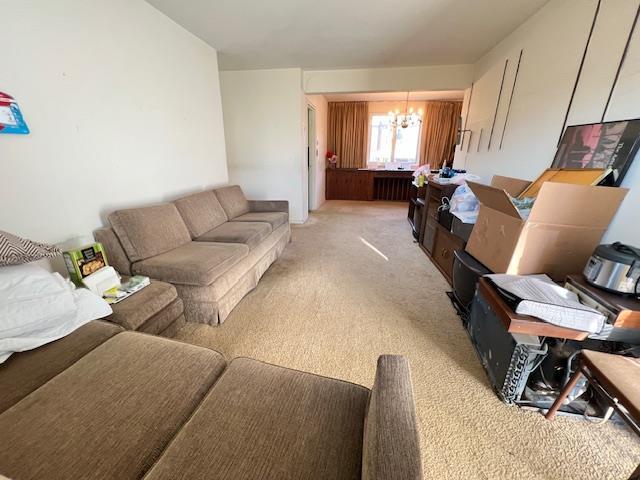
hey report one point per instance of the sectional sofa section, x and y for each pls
(213, 246)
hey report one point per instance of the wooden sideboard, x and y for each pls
(365, 184)
(436, 241)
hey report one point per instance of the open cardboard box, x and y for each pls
(565, 225)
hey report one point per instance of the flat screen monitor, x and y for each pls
(600, 145)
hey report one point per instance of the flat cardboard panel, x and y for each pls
(575, 176)
(577, 205)
(494, 198)
(494, 238)
(557, 250)
(513, 186)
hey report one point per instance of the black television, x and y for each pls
(600, 145)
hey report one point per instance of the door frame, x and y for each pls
(312, 156)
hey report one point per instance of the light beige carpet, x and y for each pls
(351, 286)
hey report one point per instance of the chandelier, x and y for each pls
(409, 118)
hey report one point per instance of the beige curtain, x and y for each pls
(439, 133)
(348, 126)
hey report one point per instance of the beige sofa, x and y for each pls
(106, 404)
(212, 246)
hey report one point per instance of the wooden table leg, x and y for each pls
(563, 394)
(636, 474)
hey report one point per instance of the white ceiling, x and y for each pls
(325, 34)
(395, 96)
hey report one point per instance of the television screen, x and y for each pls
(600, 145)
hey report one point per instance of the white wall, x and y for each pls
(264, 135)
(318, 167)
(434, 77)
(124, 109)
(553, 41)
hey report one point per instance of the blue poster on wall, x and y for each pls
(11, 120)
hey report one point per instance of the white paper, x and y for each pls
(544, 299)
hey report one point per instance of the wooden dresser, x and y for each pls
(436, 241)
(364, 184)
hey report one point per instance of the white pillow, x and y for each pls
(88, 307)
(32, 298)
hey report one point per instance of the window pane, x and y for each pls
(407, 143)
(381, 139)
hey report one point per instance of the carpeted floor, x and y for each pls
(351, 286)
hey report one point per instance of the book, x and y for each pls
(126, 289)
(540, 297)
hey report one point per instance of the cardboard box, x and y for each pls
(83, 261)
(565, 225)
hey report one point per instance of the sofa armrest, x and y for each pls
(391, 447)
(116, 255)
(269, 206)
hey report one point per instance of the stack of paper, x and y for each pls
(128, 288)
(539, 296)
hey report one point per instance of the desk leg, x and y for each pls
(563, 394)
(636, 474)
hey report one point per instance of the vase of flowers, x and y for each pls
(332, 159)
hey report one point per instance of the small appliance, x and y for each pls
(615, 267)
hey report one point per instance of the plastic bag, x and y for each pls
(464, 204)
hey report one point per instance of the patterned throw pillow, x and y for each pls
(15, 250)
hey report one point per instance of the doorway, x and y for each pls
(312, 155)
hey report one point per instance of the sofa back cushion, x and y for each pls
(201, 212)
(391, 448)
(233, 201)
(149, 231)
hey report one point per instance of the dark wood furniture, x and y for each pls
(365, 184)
(416, 207)
(524, 324)
(624, 311)
(617, 379)
(436, 241)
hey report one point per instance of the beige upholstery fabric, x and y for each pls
(268, 422)
(116, 256)
(196, 263)
(163, 320)
(212, 303)
(232, 200)
(201, 212)
(24, 372)
(248, 233)
(149, 231)
(133, 312)
(274, 218)
(173, 328)
(109, 415)
(269, 206)
(391, 447)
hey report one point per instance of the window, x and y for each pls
(390, 144)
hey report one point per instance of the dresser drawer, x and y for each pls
(444, 245)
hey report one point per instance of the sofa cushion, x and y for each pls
(232, 200)
(268, 422)
(133, 312)
(26, 371)
(110, 414)
(196, 263)
(274, 218)
(201, 212)
(145, 232)
(249, 233)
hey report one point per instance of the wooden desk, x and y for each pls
(524, 324)
(367, 184)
